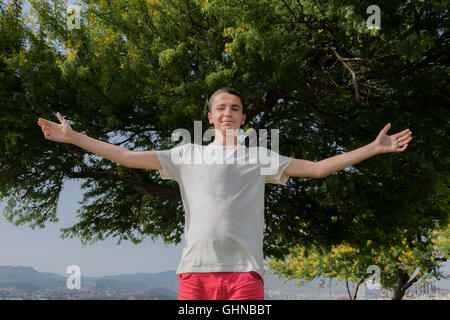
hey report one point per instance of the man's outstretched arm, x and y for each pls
(63, 132)
(382, 144)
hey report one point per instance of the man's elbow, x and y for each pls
(305, 169)
(320, 173)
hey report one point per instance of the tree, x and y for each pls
(341, 263)
(401, 263)
(136, 71)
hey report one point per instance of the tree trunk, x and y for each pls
(357, 288)
(353, 297)
(401, 286)
(348, 290)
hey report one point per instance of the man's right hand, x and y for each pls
(56, 132)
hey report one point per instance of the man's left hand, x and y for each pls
(395, 143)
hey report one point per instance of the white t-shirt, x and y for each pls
(222, 189)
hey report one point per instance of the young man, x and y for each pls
(223, 201)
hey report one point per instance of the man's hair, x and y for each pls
(225, 90)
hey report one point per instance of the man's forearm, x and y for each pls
(329, 165)
(100, 148)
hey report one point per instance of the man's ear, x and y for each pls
(209, 117)
(243, 119)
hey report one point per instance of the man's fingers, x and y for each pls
(46, 133)
(46, 127)
(402, 133)
(405, 138)
(60, 117)
(43, 122)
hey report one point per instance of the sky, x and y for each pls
(45, 251)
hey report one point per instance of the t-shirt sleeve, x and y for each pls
(171, 161)
(274, 170)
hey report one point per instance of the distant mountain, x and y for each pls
(45, 280)
(143, 279)
(161, 285)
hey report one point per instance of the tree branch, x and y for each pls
(355, 82)
(411, 281)
(357, 287)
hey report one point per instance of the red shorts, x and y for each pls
(220, 286)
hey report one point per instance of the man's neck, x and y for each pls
(223, 143)
(222, 140)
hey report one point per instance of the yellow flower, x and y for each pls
(228, 47)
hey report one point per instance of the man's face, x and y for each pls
(226, 112)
